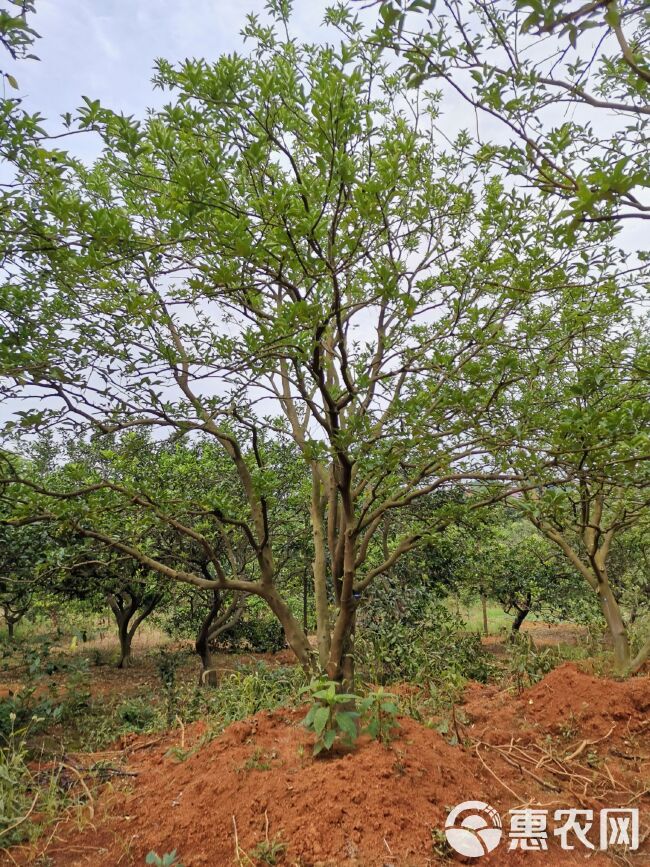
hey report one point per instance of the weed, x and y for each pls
(380, 711)
(527, 665)
(169, 859)
(15, 782)
(269, 851)
(440, 845)
(258, 761)
(136, 714)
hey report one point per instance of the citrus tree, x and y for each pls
(285, 253)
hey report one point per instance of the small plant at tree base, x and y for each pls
(380, 711)
(167, 664)
(269, 851)
(169, 859)
(329, 717)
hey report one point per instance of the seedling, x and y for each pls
(169, 859)
(329, 717)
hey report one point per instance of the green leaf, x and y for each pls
(12, 81)
(346, 721)
(321, 717)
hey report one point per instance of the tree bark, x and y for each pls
(125, 643)
(124, 607)
(641, 658)
(485, 615)
(615, 623)
(520, 616)
(293, 631)
(216, 622)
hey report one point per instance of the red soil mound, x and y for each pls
(378, 805)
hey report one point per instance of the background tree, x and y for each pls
(579, 435)
(526, 574)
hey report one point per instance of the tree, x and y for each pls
(23, 552)
(210, 615)
(523, 64)
(579, 435)
(526, 574)
(284, 259)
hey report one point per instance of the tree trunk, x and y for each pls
(208, 674)
(485, 616)
(641, 658)
(615, 623)
(347, 662)
(520, 616)
(522, 607)
(293, 631)
(10, 630)
(125, 643)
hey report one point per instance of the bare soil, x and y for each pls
(572, 740)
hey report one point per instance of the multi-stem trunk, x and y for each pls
(124, 607)
(208, 673)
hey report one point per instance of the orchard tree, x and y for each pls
(210, 615)
(285, 253)
(579, 435)
(24, 553)
(526, 574)
(568, 84)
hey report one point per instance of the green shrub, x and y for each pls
(258, 630)
(379, 710)
(136, 714)
(432, 649)
(249, 690)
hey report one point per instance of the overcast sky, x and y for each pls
(106, 48)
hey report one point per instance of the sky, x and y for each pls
(106, 48)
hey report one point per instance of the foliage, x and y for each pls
(527, 665)
(379, 710)
(269, 851)
(23, 793)
(14, 779)
(315, 220)
(434, 648)
(136, 714)
(519, 64)
(258, 630)
(329, 716)
(29, 706)
(169, 859)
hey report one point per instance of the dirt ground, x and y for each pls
(254, 795)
